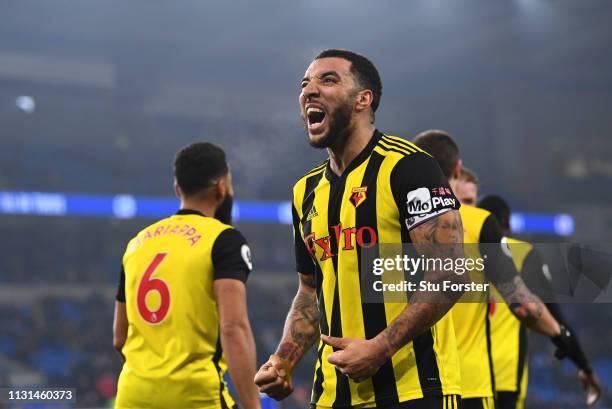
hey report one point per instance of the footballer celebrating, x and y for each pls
(369, 354)
(180, 315)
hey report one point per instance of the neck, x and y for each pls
(346, 149)
(203, 206)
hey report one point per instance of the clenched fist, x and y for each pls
(274, 378)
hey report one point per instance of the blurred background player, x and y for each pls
(470, 316)
(466, 188)
(180, 316)
(508, 336)
(370, 354)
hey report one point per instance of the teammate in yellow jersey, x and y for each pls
(180, 315)
(471, 318)
(508, 336)
(370, 354)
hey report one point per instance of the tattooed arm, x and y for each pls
(302, 324)
(500, 270)
(440, 237)
(300, 333)
(527, 307)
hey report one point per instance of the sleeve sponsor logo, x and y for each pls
(245, 252)
(505, 246)
(420, 201)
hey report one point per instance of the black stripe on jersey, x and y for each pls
(343, 391)
(382, 144)
(216, 359)
(317, 387)
(392, 149)
(424, 354)
(522, 355)
(406, 143)
(316, 169)
(374, 317)
(402, 145)
(307, 203)
(489, 353)
(427, 366)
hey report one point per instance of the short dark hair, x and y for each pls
(468, 175)
(498, 207)
(362, 69)
(197, 166)
(441, 146)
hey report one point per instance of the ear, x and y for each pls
(177, 190)
(364, 100)
(220, 190)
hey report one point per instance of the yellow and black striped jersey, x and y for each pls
(389, 188)
(173, 356)
(470, 317)
(508, 335)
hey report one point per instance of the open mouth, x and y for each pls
(316, 118)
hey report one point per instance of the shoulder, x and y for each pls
(474, 213)
(315, 171)
(403, 156)
(399, 148)
(512, 240)
(229, 234)
(315, 174)
(519, 247)
(144, 234)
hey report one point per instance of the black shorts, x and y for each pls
(509, 400)
(478, 403)
(430, 402)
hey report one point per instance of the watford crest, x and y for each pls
(358, 195)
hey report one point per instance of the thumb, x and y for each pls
(339, 343)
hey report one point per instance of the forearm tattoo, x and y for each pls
(518, 296)
(302, 324)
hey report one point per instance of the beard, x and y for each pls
(339, 127)
(224, 212)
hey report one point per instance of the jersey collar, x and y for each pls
(189, 211)
(358, 160)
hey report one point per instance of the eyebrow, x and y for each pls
(323, 75)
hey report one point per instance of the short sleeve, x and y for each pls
(231, 256)
(537, 277)
(420, 189)
(303, 261)
(499, 267)
(121, 288)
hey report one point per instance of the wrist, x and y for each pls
(383, 347)
(289, 354)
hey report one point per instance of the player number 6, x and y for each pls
(147, 284)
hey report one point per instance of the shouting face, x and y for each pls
(327, 100)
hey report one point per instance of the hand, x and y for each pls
(591, 386)
(274, 378)
(359, 359)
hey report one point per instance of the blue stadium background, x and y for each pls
(96, 97)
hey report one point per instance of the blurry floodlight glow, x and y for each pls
(25, 103)
(124, 206)
(128, 206)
